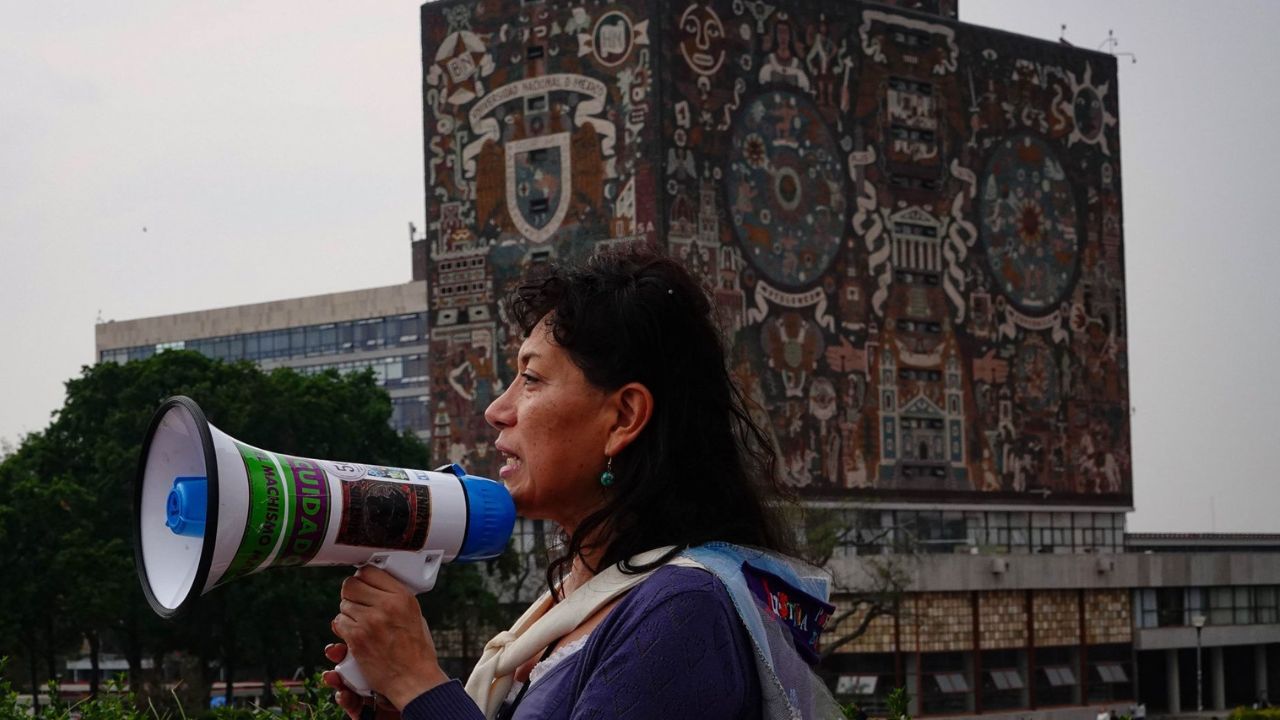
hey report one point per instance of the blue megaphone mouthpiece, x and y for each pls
(188, 506)
(491, 515)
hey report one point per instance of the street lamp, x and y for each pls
(1197, 621)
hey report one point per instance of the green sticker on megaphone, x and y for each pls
(270, 511)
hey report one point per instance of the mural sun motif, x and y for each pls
(1088, 110)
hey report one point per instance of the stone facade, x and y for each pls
(1002, 618)
(911, 226)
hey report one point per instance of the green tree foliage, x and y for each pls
(66, 497)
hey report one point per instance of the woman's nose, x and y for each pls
(500, 413)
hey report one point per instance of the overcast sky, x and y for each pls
(160, 157)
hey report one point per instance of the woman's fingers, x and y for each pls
(335, 652)
(345, 697)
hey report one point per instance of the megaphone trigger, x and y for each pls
(417, 572)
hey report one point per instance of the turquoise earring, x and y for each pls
(606, 477)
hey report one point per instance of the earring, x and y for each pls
(606, 477)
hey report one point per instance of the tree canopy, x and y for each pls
(66, 496)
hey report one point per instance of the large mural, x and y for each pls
(911, 226)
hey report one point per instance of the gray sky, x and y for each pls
(160, 157)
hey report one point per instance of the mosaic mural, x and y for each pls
(911, 226)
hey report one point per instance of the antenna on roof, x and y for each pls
(1111, 43)
(1062, 36)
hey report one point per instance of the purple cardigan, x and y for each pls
(674, 647)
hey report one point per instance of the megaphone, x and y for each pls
(209, 508)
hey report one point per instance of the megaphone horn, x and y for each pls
(209, 508)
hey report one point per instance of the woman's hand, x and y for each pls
(382, 626)
(349, 700)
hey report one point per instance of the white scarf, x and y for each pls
(544, 623)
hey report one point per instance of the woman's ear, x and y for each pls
(633, 404)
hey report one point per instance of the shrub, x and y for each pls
(115, 702)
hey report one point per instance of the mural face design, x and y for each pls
(701, 36)
(909, 227)
(786, 188)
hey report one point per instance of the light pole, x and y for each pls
(1197, 620)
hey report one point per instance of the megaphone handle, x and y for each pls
(418, 572)
(349, 669)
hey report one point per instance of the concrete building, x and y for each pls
(1043, 632)
(913, 230)
(380, 328)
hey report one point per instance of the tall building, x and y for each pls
(912, 229)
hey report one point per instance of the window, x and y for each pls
(1055, 680)
(1170, 604)
(1145, 604)
(1266, 605)
(367, 333)
(1060, 675)
(856, 684)
(951, 682)
(409, 413)
(1221, 606)
(1110, 673)
(1006, 679)
(1003, 683)
(946, 687)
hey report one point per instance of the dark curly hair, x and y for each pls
(701, 469)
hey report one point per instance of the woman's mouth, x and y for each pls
(512, 464)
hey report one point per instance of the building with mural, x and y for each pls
(913, 225)
(912, 230)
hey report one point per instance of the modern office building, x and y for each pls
(380, 328)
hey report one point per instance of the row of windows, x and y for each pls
(389, 372)
(1181, 607)
(953, 683)
(306, 341)
(409, 413)
(936, 531)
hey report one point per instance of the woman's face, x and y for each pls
(552, 429)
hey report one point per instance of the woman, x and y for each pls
(624, 428)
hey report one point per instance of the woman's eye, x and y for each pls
(527, 378)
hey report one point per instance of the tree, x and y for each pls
(66, 497)
(876, 589)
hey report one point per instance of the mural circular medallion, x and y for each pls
(786, 188)
(1029, 225)
(612, 38)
